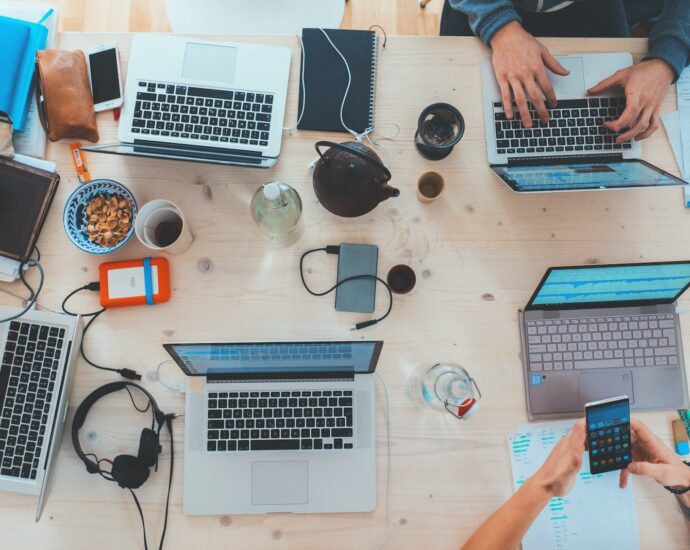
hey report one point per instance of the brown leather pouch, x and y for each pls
(63, 93)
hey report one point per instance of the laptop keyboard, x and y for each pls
(574, 125)
(27, 380)
(598, 343)
(204, 114)
(280, 420)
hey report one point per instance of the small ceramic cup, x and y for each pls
(161, 226)
(430, 185)
(401, 279)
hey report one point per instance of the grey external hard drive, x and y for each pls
(360, 295)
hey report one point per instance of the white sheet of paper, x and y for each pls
(596, 514)
(683, 94)
(672, 126)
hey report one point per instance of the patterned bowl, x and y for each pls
(74, 217)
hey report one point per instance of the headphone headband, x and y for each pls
(85, 407)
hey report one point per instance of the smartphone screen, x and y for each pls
(608, 434)
(105, 82)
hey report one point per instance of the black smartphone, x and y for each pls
(608, 434)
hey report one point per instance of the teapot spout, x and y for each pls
(388, 192)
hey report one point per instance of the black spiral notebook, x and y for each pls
(325, 80)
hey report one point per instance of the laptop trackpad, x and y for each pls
(574, 83)
(594, 386)
(280, 482)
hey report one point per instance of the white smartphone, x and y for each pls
(105, 76)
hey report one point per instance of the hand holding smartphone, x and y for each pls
(608, 434)
(105, 76)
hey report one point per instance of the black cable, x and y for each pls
(168, 422)
(95, 286)
(91, 286)
(141, 515)
(336, 250)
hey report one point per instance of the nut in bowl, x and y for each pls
(108, 220)
(99, 216)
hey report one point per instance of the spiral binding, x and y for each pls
(372, 84)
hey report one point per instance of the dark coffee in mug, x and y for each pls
(167, 232)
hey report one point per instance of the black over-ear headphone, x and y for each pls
(128, 471)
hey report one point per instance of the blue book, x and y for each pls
(19, 42)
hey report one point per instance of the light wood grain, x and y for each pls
(396, 16)
(478, 253)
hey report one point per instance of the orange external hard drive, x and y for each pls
(135, 282)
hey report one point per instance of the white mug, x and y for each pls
(148, 222)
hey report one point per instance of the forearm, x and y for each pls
(670, 38)
(504, 529)
(486, 17)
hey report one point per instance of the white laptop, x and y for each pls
(39, 351)
(573, 151)
(189, 99)
(279, 427)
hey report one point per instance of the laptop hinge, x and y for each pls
(201, 148)
(570, 159)
(280, 377)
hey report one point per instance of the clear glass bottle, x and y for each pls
(277, 209)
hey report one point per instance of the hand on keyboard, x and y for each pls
(520, 62)
(645, 85)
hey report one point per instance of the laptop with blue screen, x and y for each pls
(279, 427)
(596, 331)
(573, 150)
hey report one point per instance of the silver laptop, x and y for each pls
(593, 332)
(216, 102)
(573, 151)
(279, 427)
(39, 351)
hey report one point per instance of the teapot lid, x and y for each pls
(346, 147)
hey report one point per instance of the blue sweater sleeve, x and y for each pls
(670, 38)
(487, 16)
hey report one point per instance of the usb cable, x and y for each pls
(335, 249)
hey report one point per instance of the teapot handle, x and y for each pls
(346, 148)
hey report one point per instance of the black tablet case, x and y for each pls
(325, 80)
(26, 194)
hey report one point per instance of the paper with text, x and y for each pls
(596, 514)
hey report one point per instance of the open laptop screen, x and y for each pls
(612, 285)
(276, 357)
(578, 175)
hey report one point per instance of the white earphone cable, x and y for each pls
(181, 388)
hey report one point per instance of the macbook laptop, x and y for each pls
(279, 427)
(573, 151)
(39, 351)
(189, 99)
(592, 332)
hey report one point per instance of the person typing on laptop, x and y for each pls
(522, 63)
(506, 527)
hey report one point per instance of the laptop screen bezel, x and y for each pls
(291, 374)
(590, 159)
(597, 305)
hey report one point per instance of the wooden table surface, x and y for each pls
(478, 252)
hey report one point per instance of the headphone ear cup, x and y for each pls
(129, 471)
(149, 447)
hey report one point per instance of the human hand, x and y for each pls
(520, 62)
(651, 458)
(557, 475)
(645, 86)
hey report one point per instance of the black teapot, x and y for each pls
(350, 179)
